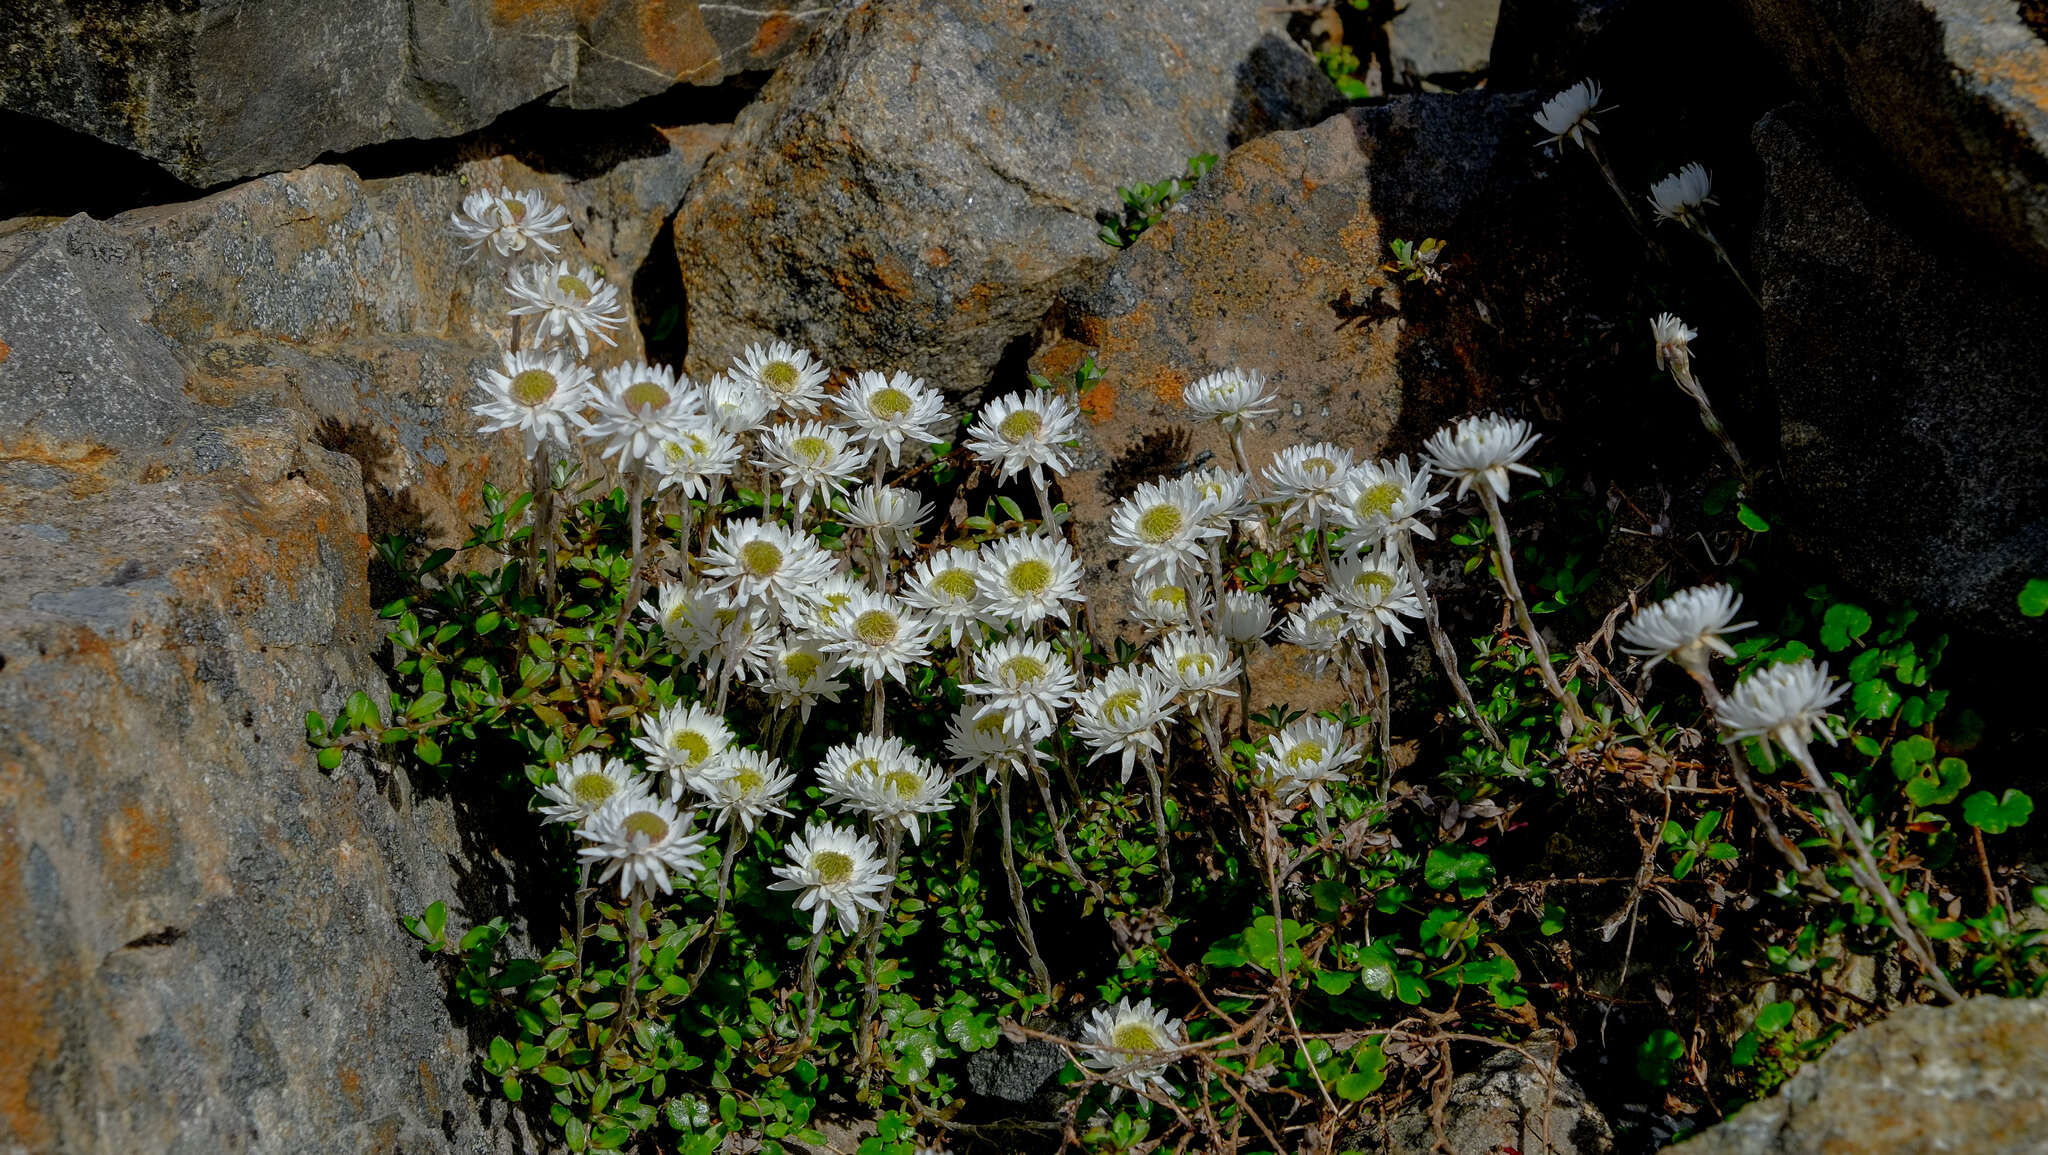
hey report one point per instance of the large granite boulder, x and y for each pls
(1928, 1079)
(914, 187)
(203, 950)
(1954, 93)
(1907, 366)
(216, 90)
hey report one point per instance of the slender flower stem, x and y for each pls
(1038, 970)
(546, 526)
(809, 991)
(1159, 830)
(1446, 653)
(1237, 454)
(1682, 373)
(636, 487)
(1059, 839)
(582, 914)
(1696, 666)
(1699, 226)
(1628, 206)
(892, 839)
(1385, 694)
(636, 944)
(1863, 867)
(1573, 713)
(1047, 517)
(712, 932)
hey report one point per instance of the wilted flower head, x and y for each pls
(890, 515)
(1678, 196)
(1673, 340)
(1244, 617)
(736, 405)
(1786, 703)
(1685, 626)
(1570, 113)
(1481, 451)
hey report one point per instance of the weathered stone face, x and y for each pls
(204, 952)
(913, 189)
(216, 90)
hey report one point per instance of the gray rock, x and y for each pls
(913, 188)
(203, 948)
(1907, 368)
(216, 90)
(1444, 42)
(1954, 93)
(1507, 1102)
(1969, 1078)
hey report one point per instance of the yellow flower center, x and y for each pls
(1196, 665)
(834, 868)
(1377, 500)
(694, 745)
(646, 394)
(1373, 584)
(748, 782)
(1175, 596)
(1322, 467)
(957, 584)
(876, 627)
(573, 288)
(813, 450)
(1137, 1037)
(780, 376)
(533, 386)
(593, 788)
(1030, 576)
(1024, 668)
(989, 725)
(1119, 705)
(1304, 753)
(830, 605)
(800, 665)
(647, 824)
(904, 784)
(760, 559)
(1019, 425)
(889, 404)
(1159, 523)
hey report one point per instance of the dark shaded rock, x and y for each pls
(215, 90)
(1014, 1072)
(914, 187)
(1506, 1103)
(1954, 93)
(1907, 365)
(1965, 1078)
(1442, 42)
(1548, 44)
(211, 408)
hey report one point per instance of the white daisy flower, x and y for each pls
(1374, 590)
(1024, 679)
(1230, 398)
(1382, 498)
(822, 601)
(1133, 1044)
(836, 871)
(809, 457)
(539, 394)
(765, 561)
(587, 783)
(791, 379)
(509, 221)
(879, 636)
(1027, 577)
(1673, 340)
(752, 788)
(1786, 703)
(685, 741)
(637, 407)
(1244, 617)
(1227, 493)
(1685, 626)
(1302, 479)
(886, 780)
(1306, 758)
(890, 515)
(1028, 430)
(993, 743)
(947, 586)
(1481, 451)
(1195, 664)
(747, 637)
(698, 452)
(1123, 713)
(689, 617)
(736, 405)
(1570, 113)
(1165, 525)
(1678, 196)
(568, 303)
(1318, 627)
(642, 842)
(885, 412)
(1162, 605)
(801, 674)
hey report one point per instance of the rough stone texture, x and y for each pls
(1442, 41)
(1547, 44)
(1507, 1103)
(215, 90)
(913, 188)
(1907, 366)
(1928, 1079)
(202, 950)
(1273, 263)
(1953, 92)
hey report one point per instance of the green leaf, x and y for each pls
(1553, 920)
(1844, 624)
(1996, 815)
(917, 1050)
(1875, 699)
(329, 758)
(501, 1055)
(1751, 519)
(2034, 597)
(435, 918)
(1775, 1017)
(1909, 754)
(1658, 1057)
(1335, 982)
(428, 750)
(554, 1075)
(1939, 784)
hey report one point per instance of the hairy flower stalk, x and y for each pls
(1569, 116)
(1575, 716)
(1158, 783)
(1030, 940)
(1673, 339)
(1446, 651)
(1681, 198)
(636, 496)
